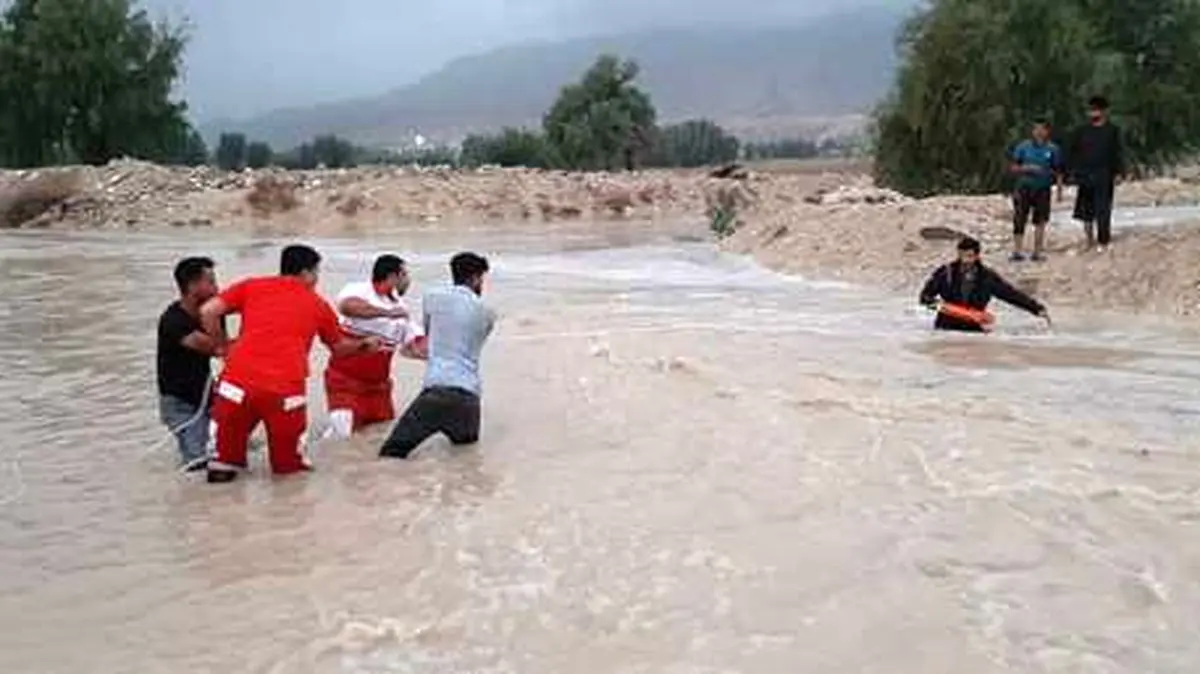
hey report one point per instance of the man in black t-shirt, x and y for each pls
(184, 351)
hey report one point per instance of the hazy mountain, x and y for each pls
(757, 81)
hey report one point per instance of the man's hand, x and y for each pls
(1045, 316)
(371, 343)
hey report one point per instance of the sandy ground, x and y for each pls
(820, 218)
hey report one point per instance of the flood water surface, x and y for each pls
(688, 465)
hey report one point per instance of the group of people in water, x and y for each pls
(266, 367)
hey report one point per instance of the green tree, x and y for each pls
(973, 78)
(334, 152)
(259, 155)
(231, 152)
(87, 80)
(698, 142)
(511, 147)
(602, 121)
(184, 147)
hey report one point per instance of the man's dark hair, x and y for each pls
(465, 267)
(969, 245)
(191, 269)
(1041, 121)
(297, 259)
(1098, 103)
(385, 266)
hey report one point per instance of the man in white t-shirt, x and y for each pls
(358, 387)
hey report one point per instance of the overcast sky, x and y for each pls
(250, 56)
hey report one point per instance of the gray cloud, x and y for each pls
(247, 57)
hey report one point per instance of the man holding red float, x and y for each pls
(961, 290)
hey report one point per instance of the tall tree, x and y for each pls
(697, 142)
(259, 155)
(87, 80)
(512, 147)
(599, 122)
(231, 151)
(976, 72)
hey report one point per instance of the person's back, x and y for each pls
(265, 372)
(280, 316)
(457, 323)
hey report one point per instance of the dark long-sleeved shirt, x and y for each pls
(1096, 152)
(974, 288)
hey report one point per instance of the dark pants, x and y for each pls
(1030, 201)
(1094, 203)
(452, 412)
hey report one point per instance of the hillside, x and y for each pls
(758, 81)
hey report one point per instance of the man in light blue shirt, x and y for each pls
(457, 323)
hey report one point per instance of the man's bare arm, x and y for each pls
(350, 345)
(357, 307)
(201, 342)
(211, 314)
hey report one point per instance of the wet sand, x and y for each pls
(689, 464)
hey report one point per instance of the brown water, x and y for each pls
(689, 465)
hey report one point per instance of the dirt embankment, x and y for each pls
(830, 222)
(135, 194)
(849, 229)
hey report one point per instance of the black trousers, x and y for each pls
(453, 412)
(1094, 203)
(1030, 201)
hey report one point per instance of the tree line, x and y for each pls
(84, 81)
(87, 81)
(975, 73)
(689, 144)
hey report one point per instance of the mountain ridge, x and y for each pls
(808, 76)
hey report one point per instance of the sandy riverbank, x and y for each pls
(1151, 270)
(828, 221)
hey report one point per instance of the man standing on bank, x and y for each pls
(1037, 164)
(184, 366)
(1097, 160)
(457, 323)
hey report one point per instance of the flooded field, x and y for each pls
(689, 465)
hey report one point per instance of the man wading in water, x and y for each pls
(265, 371)
(1097, 159)
(184, 352)
(966, 282)
(457, 323)
(358, 387)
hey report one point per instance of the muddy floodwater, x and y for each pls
(689, 465)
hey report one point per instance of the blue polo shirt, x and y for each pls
(1045, 156)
